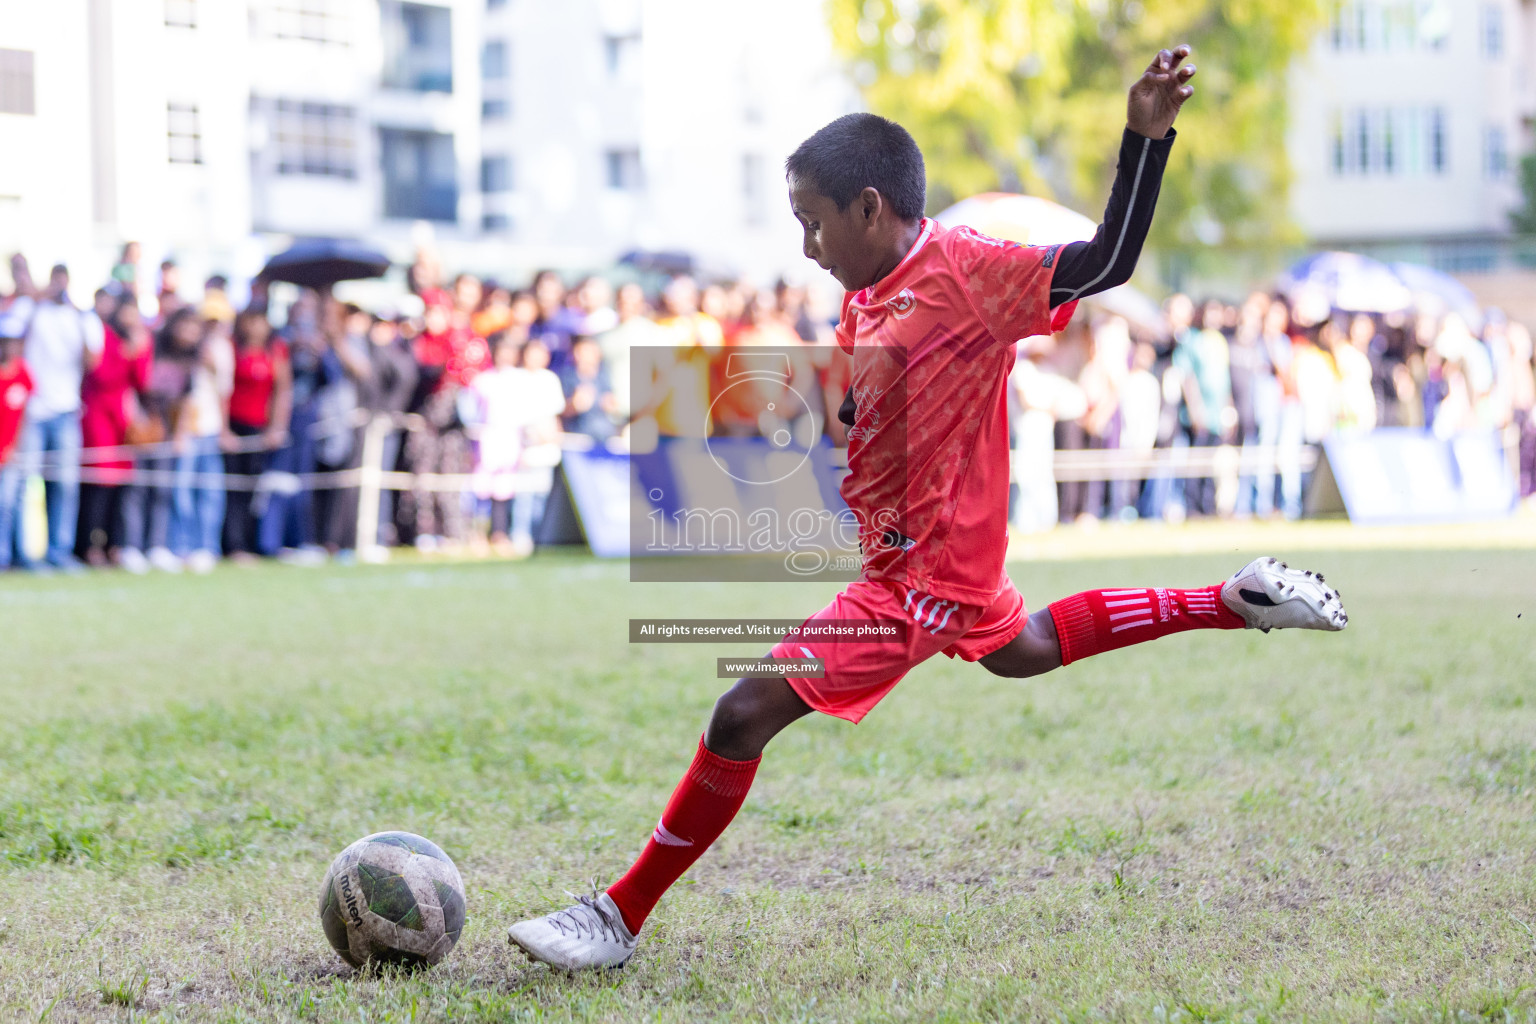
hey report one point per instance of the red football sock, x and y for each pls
(704, 803)
(1096, 621)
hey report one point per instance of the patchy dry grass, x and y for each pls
(1218, 827)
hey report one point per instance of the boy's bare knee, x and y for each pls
(735, 713)
(1033, 652)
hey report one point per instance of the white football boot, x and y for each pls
(1269, 594)
(590, 934)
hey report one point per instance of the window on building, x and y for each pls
(494, 223)
(319, 21)
(1435, 129)
(1493, 31)
(17, 82)
(621, 56)
(420, 175)
(181, 13)
(418, 46)
(491, 5)
(623, 167)
(494, 109)
(1388, 141)
(496, 174)
(494, 64)
(312, 138)
(1495, 153)
(184, 132)
(1387, 26)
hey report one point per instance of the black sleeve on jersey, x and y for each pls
(1107, 260)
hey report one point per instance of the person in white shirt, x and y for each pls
(63, 343)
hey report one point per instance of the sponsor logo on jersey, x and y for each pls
(903, 304)
(15, 396)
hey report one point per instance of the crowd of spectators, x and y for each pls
(1265, 378)
(174, 433)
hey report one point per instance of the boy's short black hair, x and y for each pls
(859, 151)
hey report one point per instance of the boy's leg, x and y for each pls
(711, 792)
(1265, 594)
(601, 930)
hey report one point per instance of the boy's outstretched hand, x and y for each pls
(1159, 93)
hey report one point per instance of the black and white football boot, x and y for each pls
(1269, 594)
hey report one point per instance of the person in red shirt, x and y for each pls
(259, 407)
(931, 321)
(15, 389)
(108, 397)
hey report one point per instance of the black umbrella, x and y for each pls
(320, 262)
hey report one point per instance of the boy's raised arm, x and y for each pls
(1107, 260)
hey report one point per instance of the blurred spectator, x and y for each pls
(1102, 380)
(62, 344)
(632, 328)
(1044, 397)
(1256, 397)
(147, 507)
(448, 357)
(339, 441)
(589, 400)
(1201, 358)
(679, 388)
(216, 304)
(168, 297)
(198, 510)
(286, 505)
(542, 402)
(109, 402)
(15, 389)
(1523, 402)
(496, 403)
(425, 279)
(557, 323)
(394, 382)
(1352, 362)
(1290, 427)
(259, 406)
(495, 312)
(1141, 398)
(125, 273)
(594, 301)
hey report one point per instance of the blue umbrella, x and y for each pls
(1437, 292)
(1349, 281)
(319, 262)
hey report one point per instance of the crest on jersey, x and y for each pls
(903, 304)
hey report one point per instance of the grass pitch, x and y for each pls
(1217, 826)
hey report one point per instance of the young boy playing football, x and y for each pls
(931, 319)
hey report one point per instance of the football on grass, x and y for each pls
(392, 898)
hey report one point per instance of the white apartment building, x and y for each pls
(520, 133)
(1407, 122)
(214, 130)
(615, 125)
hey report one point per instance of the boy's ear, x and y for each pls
(871, 201)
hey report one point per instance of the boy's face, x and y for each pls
(842, 242)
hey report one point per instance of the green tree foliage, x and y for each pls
(1523, 219)
(1030, 95)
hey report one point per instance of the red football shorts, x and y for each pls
(859, 675)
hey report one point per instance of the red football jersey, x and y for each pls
(15, 389)
(932, 345)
